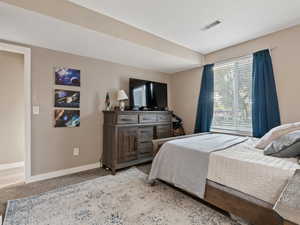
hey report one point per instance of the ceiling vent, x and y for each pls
(211, 25)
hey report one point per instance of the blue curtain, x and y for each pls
(206, 101)
(265, 109)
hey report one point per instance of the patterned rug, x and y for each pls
(124, 199)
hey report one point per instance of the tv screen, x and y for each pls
(144, 94)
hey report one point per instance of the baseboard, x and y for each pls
(60, 173)
(11, 165)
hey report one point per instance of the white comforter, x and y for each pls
(248, 170)
(184, 162)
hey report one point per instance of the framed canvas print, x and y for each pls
(66, 118)
(67, 76)
(66, 98)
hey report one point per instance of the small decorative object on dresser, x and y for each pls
(122, 97)
(107, 102)
(128, 135)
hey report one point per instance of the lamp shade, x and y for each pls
(122, 95)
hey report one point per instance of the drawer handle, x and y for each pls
(126, 119)
(163, 118)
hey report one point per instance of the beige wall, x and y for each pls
(52, 148)
(12, 130)
(286, 61)
(185, 87)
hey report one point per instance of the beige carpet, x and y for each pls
(124, 199)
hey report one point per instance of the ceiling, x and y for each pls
(181, 21)
(28, 27)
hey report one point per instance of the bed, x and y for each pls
(226, 171)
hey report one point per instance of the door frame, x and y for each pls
(27, 95)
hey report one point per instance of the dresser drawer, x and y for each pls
(163, 131)
(127, 118)
(145, 134)
(164, 117)
(148, 118)
(145, 149)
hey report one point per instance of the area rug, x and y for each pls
(124, 199)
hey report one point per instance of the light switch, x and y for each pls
(36, 110)
(76, 151)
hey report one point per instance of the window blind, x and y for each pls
(232, 94)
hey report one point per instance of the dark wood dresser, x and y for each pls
(128, 135)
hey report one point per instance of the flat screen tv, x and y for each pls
(147, 95)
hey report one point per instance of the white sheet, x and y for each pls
(248, 170)
(184, 162)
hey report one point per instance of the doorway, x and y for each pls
(15, 119)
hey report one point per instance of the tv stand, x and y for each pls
(128, 135)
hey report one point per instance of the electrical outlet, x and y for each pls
(76, 151)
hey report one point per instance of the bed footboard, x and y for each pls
(255, 211)
(157, 143)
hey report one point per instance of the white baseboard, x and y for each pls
(60, 173)
(11, 165)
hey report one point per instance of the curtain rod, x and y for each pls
(250, 53)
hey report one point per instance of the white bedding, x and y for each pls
(248, 170)
(184, 162)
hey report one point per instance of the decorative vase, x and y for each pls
(107, 102)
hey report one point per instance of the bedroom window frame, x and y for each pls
(237, 71)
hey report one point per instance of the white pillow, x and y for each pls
(275, 133)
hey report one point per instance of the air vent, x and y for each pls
(211, 25)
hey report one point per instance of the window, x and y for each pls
(232, 95)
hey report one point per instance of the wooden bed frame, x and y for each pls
(255, 211)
